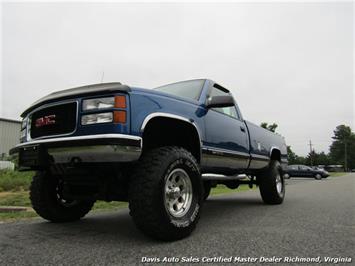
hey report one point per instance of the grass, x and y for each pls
(15, 180)
(336, 174)
(222, 189)
(15, 199)
(22, 199)
(15, 216)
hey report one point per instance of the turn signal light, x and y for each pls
(120, 101)
(119, 117)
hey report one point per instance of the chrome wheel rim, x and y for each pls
(278, 184)
(178, 193)
(61, 200)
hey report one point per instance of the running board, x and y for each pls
(223, 177)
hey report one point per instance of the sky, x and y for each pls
(288, 63)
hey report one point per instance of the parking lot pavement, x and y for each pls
(316, 219)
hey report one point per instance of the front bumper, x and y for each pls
(102, 148)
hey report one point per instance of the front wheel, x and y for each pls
(272, 184)
(166, 193)
(48, 202)
(318, 176)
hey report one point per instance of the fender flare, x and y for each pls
(172, 116)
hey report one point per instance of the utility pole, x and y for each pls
(345, 156)
(310, 152)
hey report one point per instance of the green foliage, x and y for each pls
(271, 127)
(15, 216)
(293, 158)
(15, 199)
(343, 139)
(103, 205)
(14, 180)
(222, 189)
(318, 158)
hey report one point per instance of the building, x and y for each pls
(9, 135)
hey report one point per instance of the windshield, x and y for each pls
(190, 89)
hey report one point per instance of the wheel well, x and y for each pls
(164, 131)
(276, 155)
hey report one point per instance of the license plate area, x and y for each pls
(33, 156)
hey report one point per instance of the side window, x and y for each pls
(303, 167)
(230, 111)
(293, 167)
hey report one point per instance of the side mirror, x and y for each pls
(220, 101)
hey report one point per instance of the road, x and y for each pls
(316, 219)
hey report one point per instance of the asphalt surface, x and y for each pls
(316, 219)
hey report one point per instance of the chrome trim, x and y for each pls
(87, 137)
(209, 176)
(258, 161)
(220, 158)
(259, 157)
(219, 151)
(95, 154)
(29, 138)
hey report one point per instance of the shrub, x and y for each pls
(15, 180)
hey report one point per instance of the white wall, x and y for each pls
(9, 135)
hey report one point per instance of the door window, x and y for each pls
(230, 111)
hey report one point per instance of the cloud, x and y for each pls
(289, 63)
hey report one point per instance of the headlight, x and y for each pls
(97, 118)
(98, 103)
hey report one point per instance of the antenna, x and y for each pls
(102, 77)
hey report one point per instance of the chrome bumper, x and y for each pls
(92, 148)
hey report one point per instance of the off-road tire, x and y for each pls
(206, 189)
(44, 199)
(147, 195)
(267, 181)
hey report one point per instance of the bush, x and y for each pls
(15, 180)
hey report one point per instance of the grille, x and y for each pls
(54, 120)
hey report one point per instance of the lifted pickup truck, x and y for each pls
(161, 150)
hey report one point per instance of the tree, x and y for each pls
(271, 127)
(317, 158)
(342, 150)
(293, 158)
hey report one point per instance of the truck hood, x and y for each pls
(78, 91)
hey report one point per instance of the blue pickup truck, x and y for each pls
(159, 149)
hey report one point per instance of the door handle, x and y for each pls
(242, 128)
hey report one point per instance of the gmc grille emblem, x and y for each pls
(45, 121)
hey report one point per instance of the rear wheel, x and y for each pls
(48, 202)
(166, 193)
(272, 184)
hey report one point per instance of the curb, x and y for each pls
(12, 209)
